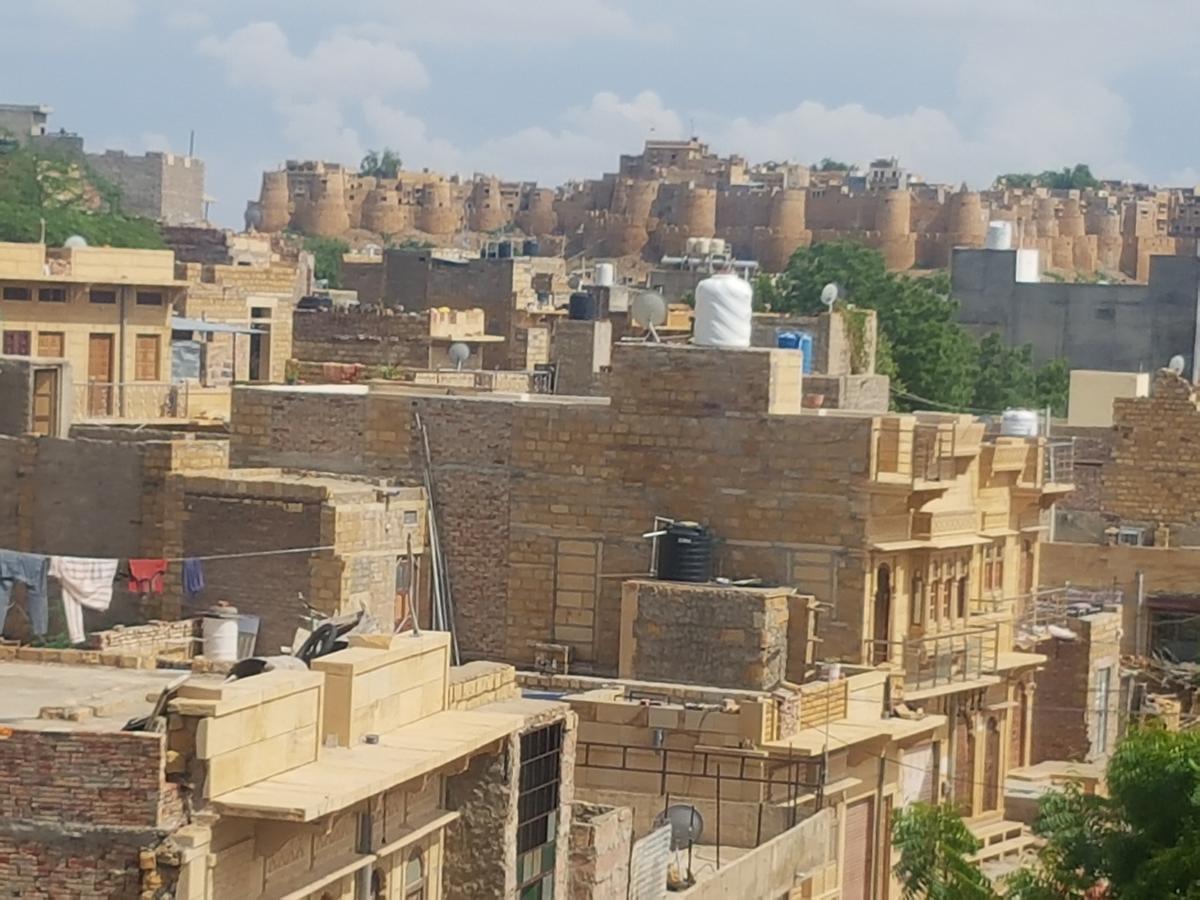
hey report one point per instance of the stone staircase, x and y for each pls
(1006, 846)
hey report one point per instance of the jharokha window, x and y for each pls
(993, 566)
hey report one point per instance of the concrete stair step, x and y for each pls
(1013, 848)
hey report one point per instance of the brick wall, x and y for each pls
(1067, 720)
(299, 428)
(361, 337)
(704, 634)
(177, 638)
(16, 396)
(601, 840)
(36, 865)
(97, 779)
(477, 683)
(1155, 472)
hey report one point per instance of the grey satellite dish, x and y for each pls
(459, 353)
(830, 294)
(686, 825)
(648, 309)
(75, 241)
(1176, 364)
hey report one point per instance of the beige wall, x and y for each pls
(1092, 394)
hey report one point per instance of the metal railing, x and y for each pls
(1051, 606)
(126, 400)
(940, 659)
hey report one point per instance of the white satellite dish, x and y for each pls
(459, 353)
(1176, 364)
(75, 241)
(830, 294)
(686, 824)
(648, 309)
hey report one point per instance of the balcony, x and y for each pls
(1033, 612)
(137, 401)
(928, 526)
(941, 660)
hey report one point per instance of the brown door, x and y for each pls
(100, 369)
(45, 401)
(856, 873)
(883, 615)
(147, 357)
(51, 344)
(1016, 755)
(991, 766)
(964, 766)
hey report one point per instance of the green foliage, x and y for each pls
(833, 165)
(766, 296)
(327, 258)
(411, 244)
(37, 186)
(922, 348)
(384, 163)
(935, 847)
(1069, 178)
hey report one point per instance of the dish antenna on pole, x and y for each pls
(649, 310)
(830, 294)
(1176, 364)
(459, 353)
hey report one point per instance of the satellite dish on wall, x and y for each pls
(686, 824)
(1176, 364)
(648, 309)
(459, 353)
(830, 294)
(75, 241)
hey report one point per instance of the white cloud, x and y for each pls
(342, 66)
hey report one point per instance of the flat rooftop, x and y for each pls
(105, 697)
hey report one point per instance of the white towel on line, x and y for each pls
(85, 582)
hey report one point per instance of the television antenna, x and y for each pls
(459, 353)
(830, 294)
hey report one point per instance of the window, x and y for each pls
(16, 343)
(916, 605)
(52, 295)
(1133, 537)
(1103, 688)
(414, 877)
(947, 598)
(16, 293)
(993, 566)
(96, 295)
(537, 812)
(148, 298)
(147, 354)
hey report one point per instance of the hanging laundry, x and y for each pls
(30, 569)
(193, 578)
(85, 582)
(146, 575)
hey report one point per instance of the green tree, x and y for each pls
(1052, 386)
(384, 163)
(1004, 375)
(935, 848)
(1077, 177)
(327, 258)
(833, 165)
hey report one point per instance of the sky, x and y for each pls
(551, 90)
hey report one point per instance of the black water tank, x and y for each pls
(583, 307)
(685, 553)
(530, 247)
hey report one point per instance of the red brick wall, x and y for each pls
(98, 865)
(88, 778)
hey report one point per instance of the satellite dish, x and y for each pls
(830, 294)
(648, 309)
(459, 353)
(1176, 364)
(686, 824)
(75, 241)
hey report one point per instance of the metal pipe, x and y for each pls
(1139, 637)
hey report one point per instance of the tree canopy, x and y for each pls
(1141, 842)
(931, 359)
(1077, 177)
(37, 186)
(327, 258)
(385, 163)
(833, 165)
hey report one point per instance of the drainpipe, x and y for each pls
(123, 293)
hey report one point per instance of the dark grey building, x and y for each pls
(1111, 327)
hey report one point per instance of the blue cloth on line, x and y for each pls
(30, 569)
(193, 578)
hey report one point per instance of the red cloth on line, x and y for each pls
(146, 575)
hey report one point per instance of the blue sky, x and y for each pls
(556, 89)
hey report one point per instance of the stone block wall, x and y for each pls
(1067, 715)
(704, 634)
(16, 396)
(178, 638)
(581, 351)
(601, 841)
(362, 337)
(478, 683)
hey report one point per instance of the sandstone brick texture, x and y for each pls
(601, 841)
(362, 337)
(705, 634)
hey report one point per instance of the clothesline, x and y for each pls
(177, 559)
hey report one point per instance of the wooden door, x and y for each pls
(100, 374)
(51, 344)
(856, 872)
(1016, 753)
(991, 766)
(964, 766)
(147, 358)
(45, 401)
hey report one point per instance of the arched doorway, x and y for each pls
(883, 614)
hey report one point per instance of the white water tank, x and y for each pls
(1019, 423)
(999, 236)
(717, 247)
(723, 311)
(221, 634)
(703, 246)
(604, 274)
